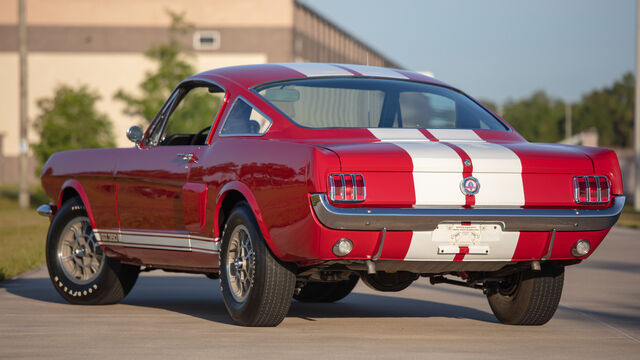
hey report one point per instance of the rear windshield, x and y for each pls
(376, 103)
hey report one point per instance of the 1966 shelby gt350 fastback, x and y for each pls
(297, 180)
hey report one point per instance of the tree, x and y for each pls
(537, 118)
(610, 111)
(172, 67)
(69, 121)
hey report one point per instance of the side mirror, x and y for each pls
(135, 134)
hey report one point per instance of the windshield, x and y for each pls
(373, 103)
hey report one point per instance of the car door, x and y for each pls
(152, 178)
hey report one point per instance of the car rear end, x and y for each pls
(430, 183)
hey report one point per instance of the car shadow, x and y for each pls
(200, 297)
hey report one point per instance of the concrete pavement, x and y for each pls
(183, 316)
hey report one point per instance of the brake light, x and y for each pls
(591, 189)
(347, 188)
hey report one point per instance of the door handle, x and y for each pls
(188, 157)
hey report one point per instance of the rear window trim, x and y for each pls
(256, 88)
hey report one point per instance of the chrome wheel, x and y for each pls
(240, 263)
(79, 254)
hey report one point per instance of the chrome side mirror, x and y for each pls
(135, 134)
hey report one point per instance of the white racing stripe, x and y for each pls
(455, 135)
(499, 171)
(437, 172)
(316, 69)
(376, 71)
(435, 166)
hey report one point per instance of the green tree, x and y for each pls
(172, 67)
(69, 120)
(537, 118)
(610, 111)
(490, 104)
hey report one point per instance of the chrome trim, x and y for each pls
(188, 157)
(45, 210)
(514, 219)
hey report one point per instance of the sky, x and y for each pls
(498, 49)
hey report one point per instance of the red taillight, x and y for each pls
(347, 188)
(591, 189)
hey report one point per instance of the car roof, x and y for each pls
(249, 76)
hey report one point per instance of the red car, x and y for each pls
(297, 180)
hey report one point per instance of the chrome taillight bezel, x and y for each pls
(354, 199)
(599, 190)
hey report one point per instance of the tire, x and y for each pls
(326, 292)
(529, 297)
(256, 287)
(79, 270)
(389, 282)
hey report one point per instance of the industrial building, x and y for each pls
(102, 44)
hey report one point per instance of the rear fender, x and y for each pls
(75, 185)
(255, 209)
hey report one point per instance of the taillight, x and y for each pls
(591, 189)
(347, 188)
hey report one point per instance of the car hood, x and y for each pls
(449, 156)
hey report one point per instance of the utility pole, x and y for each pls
(567, 120)
(23, 179)
(636, 122)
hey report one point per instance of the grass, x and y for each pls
(22, 233)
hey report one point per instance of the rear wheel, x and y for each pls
(326, 292)
(529, 297)
(79, 270)
(256, 288)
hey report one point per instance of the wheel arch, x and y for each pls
(72, 188)
(230, 194)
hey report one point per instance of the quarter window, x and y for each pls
(244, 119)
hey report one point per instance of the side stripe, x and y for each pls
(157, 240)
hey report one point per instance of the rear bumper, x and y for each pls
(419, 219)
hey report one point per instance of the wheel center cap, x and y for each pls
(238, 263)
(80, 251)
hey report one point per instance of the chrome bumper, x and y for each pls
(419, 219)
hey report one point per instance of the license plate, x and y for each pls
(469, 238)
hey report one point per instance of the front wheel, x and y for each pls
(256, 288)
(528, 297)
(79, 270)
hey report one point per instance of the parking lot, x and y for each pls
(182, 316)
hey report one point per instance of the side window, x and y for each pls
(244, 119)
(190, 118)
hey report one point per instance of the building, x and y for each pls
(102, 44)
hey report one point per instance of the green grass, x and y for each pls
(629, 217)
(22, 233)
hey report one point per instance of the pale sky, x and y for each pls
(498, 49)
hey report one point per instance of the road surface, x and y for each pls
(182, 316)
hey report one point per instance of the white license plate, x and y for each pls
(473, 234)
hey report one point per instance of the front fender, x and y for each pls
(77, 187)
